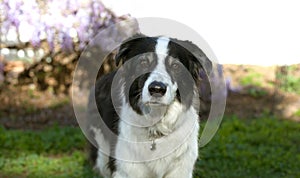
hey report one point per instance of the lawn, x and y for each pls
(264, 147)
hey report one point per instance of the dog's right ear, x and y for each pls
(122, 52)
(125, 48)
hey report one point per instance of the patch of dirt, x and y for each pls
(281, 105)
(24, 107)
(253, 93)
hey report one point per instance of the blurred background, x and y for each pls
(255, 42)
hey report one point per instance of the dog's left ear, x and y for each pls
(199, 59)
(201, 66)
(203, 62)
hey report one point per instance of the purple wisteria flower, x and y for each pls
(54, 20)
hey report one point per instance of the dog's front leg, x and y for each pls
(184, 165)
(132, 170)
(181, 171)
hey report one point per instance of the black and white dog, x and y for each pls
(149, 110)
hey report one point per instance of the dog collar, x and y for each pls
(153, 145)
(153, 137)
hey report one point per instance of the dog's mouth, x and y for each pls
(153, 108)
(155, 103)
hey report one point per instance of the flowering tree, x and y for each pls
(54, 21)
(57, 30)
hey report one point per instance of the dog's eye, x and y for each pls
(175, 66)
(144, 62)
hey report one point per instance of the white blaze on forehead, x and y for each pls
(160, 74)
(162, 46)
(161, 50)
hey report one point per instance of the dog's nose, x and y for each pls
(157, 89)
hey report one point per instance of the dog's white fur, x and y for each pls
(168, 166)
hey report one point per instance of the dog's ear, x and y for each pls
(122, 51)
(202, 61)
(200, 66)
(198, 58)
(125, 48)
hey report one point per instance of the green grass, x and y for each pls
(264, 147)
(297, 113)
(251, 79)
(55, 152)
(289, 82)
(256, 92)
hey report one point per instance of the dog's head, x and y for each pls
(159, 70)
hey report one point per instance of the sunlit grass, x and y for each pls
(40, 165)
(264, 147)
(289, 79)
(54, 152)
(252, 79)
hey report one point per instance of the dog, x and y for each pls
(149, 108)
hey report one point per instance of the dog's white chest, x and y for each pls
(159, 157)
